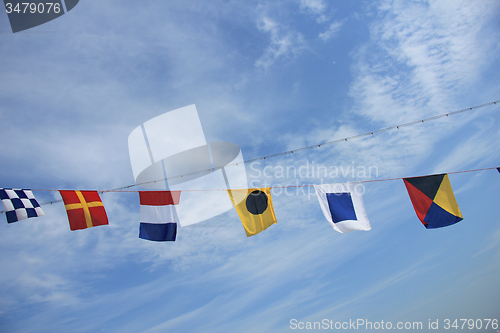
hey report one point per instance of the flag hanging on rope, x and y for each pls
(433, 200)
(343, 207)
(498, 169)
(19, 204)
(84, 209)
(158, 216)
(255, 208)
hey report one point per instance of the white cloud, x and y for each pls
(418, 62)
(480, 150)
(439, 46)
(492, 242)
(316, 8)
(332, 31)
(284, 43)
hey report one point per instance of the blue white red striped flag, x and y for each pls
(158, 216)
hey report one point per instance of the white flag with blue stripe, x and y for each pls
(343, 207)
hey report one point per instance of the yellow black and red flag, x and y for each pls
(84, 208)
(433, 200)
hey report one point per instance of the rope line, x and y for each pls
(272, 187)
(308, 185)
(122, 189)
(321, 144)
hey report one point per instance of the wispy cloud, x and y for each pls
(332, 31)
(315, 7)
(480, 150)
(284, 43)
(420, 57)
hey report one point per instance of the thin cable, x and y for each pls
(301, 149)
(308, 185)
(306, 148)
(358, 136)
(273, 187)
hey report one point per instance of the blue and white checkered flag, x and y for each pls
(19, 204)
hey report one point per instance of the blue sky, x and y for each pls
(269, 77)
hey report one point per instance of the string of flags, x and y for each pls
(431, 196)
(236, 163)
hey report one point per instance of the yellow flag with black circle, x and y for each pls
(255, 208)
